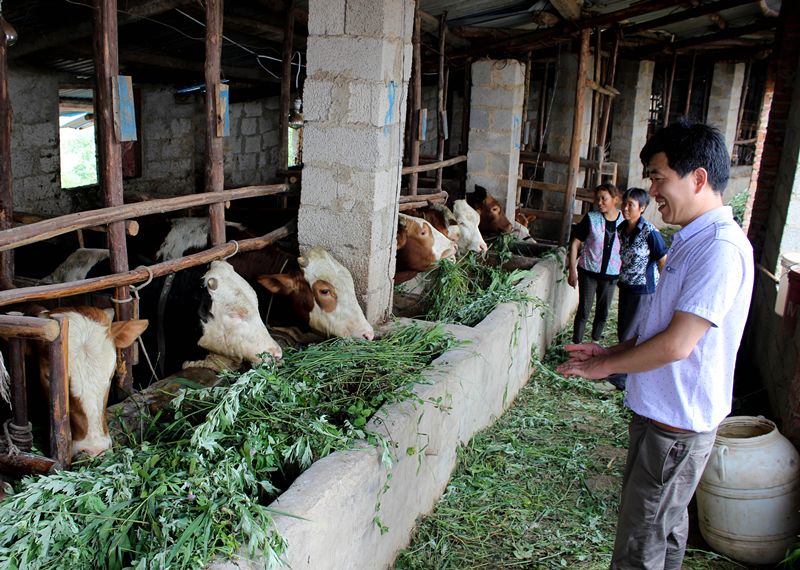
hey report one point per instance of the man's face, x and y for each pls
(674, 195)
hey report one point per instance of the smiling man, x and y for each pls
(680, 363)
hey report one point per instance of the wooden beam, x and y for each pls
(604, 89)
(214, 153)
(689, 88)
(31, 328)
(286, 86)
(26, 464)
(759, 26)
(141, 273)
(67, 34)
(684, 15)
(434, 165)
(19, 389)
(611, 75)
(570, 10)
(575, 143)
(6, 177)
(585, 194)
(670, 83)
(417, 109)
(39, 231)
(441, 98)
(60, 432)
(549, 215)
(430, 24)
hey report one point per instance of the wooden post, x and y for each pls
(60, 432)
(742, 101)
(575, 143)
(542, 117)
(109, 154)
(19, 390)
(691, 84)
(465, 115)
(215, 174)
(668, 100)
(441, 96)
(596, 101)
(6, 180)
(610, 76)
(286, 84)
(417, 111)
(525, 125)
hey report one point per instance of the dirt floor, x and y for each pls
(539, 489)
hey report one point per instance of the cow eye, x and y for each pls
(212, 284)
(495, 209)
(325, 291)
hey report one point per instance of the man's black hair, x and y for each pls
(689, 146)
(638, 194)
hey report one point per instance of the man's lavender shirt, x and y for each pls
(709, 273)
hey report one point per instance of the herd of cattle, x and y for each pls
(233, 299)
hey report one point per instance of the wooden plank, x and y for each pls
(575, 143)
(534, 157)
(39, 231)
(124, 109)
(434, 165)
(548, 215)
(604, 89)
(60, 432)
(223, 113)
(141, 273)
(214, 154)
(424, 197)
(585, 194)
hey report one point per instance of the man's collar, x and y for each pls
(703, 221)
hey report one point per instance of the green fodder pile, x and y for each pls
(197, 488)
(466, 290)
(540, 488)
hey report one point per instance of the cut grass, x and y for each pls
(539, 489)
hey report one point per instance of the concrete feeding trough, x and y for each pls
(336, 502)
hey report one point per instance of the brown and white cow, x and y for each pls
(493, 219)
(322, 294)
(92, 353)
(459, 224)
(521, 223)
(419, 247)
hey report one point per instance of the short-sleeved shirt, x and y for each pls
(709, 273)
(640, 250)
(600, 243)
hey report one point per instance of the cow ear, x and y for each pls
(402, 237)
(279, 283)
(123, 333)
(480, 193)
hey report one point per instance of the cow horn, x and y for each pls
(302, 262)
(212, 284)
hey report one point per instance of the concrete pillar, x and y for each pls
(631, 114)
(723, 102)
(495, 121)
(359, 62)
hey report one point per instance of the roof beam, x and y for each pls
(726, 34)
(568, 9)
(684, 15)
(65, 35)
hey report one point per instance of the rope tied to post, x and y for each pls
(16, 438)
(235, 251)
(136, 288)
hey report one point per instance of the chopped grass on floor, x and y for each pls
(539, 489)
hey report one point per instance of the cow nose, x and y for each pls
(482, 247)
(368, 335)
(276, 353)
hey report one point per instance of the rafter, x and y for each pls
(568, 9)
(683, 15)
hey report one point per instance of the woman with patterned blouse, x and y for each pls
(642, 249)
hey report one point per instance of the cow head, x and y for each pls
(323, 294)
(468, 221)
(419, 247)
(232, 326)
(93, 342)
(521, 224)
(493, 219)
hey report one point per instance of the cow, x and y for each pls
(93, 340)
(419, 247)
(521, 224)
(459, 224)
(321, 293)
(493, 219)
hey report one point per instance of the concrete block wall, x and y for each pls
(630, 115)
(35, 158)
(494, 128)
(334, 501)
(724, 98)
(359, 61)
(252, 152)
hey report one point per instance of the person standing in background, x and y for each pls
(596, 271)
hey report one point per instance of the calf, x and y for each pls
(521, 225)
(459, 224)
(419, 247)
(92, 353)
(493, 220)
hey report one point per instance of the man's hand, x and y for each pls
(586, 360)
(572, 277)
(593, 368)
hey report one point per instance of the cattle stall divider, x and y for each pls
(18, 328)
